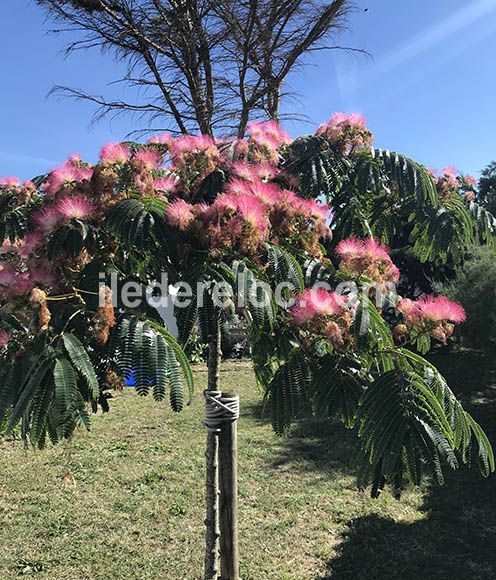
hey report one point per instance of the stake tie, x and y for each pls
(219, 409)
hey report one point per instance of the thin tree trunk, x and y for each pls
(212, 524)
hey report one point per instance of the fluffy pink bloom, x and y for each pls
(247, 205)
(192, 144)
(241, 148)
(315, 302)
(431, 308)
(268, 134)
(450, 171)
(179, 214)
(162, 139)
(5, 336)
(370, 248)
(288, 200)
(28, 184)
(434, 172)
(340, 121)
(369, 258)
(75, 207)
(9, 182)
(13, 282)
(375, 250)
(254, 171)
(42, 277)
(334, 333)
(316, 209)
(267, 193)
(349, 248)
(470, 180)
(168, 184)
(46, 218)
(7, 276)
(114, 153)
(348, 132)
(147, 159)
(29, 244)
(65, 175)
(441, 308)
(411, 312)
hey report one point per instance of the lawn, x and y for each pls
(126, 500)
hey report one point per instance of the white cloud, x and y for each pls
(351, 77)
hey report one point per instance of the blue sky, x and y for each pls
(428, 90)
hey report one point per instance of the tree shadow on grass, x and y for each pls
(313, 444)
(457, 538)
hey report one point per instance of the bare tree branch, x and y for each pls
(202, 65)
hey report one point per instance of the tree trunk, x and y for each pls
(212, 532)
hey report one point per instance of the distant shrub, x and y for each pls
(475, 287)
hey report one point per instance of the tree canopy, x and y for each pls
(244, 223)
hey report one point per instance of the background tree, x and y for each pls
(205, 65)
(474, 286)
(487, 187)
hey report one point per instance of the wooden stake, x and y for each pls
(212, 531)
(228, 472)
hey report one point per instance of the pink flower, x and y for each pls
(7, 277)
(341, 121)
(441, 308)
(267, 193)
(431, 308)
(349, 248)
(13, 282)
(9, 182)
(42, 277)
(367, 258)
(254, 171)
(470, 180)
(162, 139)
(179, 214)
(5, 336)
(450, 171)
(375, 250)
(28, 184)
(316, 209)
(334, 333)
(114, 153)
(268, 134)
(168, 184)
(248, 206)
(29, 244)
(46, 218)
(411, 312)
(147, 159)
(192, 144)
(348, 132)
(315, 302)
(75, 207)
(65, 175)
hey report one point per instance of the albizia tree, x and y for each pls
(245, 215)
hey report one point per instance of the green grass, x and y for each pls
(134, 509)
